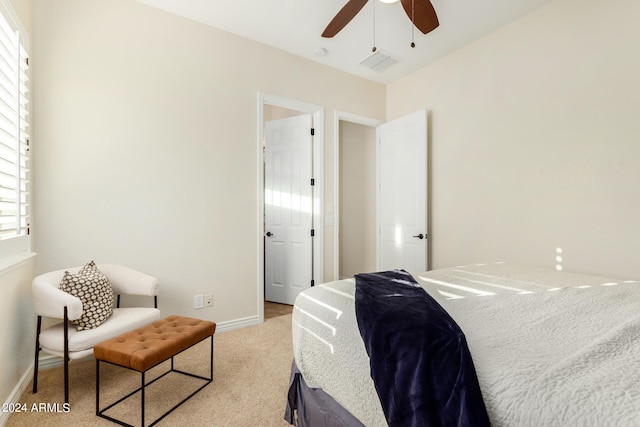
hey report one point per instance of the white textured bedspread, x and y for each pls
(550, 348)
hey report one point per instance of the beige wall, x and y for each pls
(357, 199)
(534, 140)
(17, 335)
(146, 142)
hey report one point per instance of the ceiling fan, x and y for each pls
(420, 12)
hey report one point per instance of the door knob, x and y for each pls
(269, 234)
(420, 236)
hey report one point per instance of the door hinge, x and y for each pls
(313, 131)
(313, 181)
(313, 232)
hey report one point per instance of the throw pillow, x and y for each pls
(95, 292)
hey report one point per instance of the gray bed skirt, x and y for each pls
(312, 407)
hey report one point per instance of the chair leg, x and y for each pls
(37, 356)
(66, 356)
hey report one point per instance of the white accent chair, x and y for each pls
(63, 339)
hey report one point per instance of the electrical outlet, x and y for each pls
(208, 300)
(198, 301)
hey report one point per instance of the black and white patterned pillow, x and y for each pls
(95, 292)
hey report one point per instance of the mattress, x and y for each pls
(549, 347)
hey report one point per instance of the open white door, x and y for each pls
(288, 197)
(402, 196)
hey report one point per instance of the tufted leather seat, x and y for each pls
(146, 347)
(149, 345)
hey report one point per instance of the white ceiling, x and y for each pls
(295, 26)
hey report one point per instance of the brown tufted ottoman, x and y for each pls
(148, 346)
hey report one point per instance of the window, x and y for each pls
(14, 136)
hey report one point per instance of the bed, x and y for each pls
(549, 348)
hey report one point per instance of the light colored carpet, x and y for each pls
(251, 378)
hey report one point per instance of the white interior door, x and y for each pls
(402, 194)
(288, 199)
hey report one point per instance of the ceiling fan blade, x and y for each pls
(423, 14)
(343, 17)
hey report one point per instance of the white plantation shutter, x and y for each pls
(14, 138)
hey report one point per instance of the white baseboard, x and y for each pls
(238, 323)
(49, 361)
(17, 392)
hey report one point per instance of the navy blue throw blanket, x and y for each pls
(420, 363)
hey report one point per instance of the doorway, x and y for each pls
(355, 194)
(401, 180)
(270, 109)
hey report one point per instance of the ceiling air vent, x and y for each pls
(379, 61)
